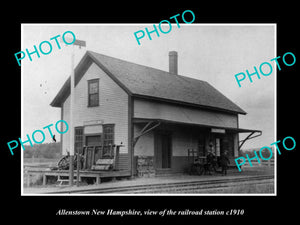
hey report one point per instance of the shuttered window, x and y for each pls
(93, 92)
(108, 136)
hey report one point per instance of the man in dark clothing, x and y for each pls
(224, 161)
(211, 162)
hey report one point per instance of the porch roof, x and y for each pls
(162, 121)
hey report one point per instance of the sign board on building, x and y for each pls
(93, 126)
(95, 129)
(217, 130)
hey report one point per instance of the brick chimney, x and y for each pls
(173, 62)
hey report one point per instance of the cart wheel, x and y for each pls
(63, 163)
(193, 169)
(201, 170)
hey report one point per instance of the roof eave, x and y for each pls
(189, 104)
(62, 94)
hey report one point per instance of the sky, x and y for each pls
(209, 52)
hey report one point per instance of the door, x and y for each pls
(163, 150)
(91, 155)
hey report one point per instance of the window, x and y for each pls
(217, 150)
(108, 132)
(108, 137)
(93, 92)
(78, 139)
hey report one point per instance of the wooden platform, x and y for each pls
(83, 173)
(166, 185)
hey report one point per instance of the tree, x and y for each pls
(45, 150)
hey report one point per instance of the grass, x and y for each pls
(251, 188)
(266, 188)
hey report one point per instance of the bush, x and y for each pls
(265, 152)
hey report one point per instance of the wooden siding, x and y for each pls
(124, 162)
(166, 111)
(180, 164)
(182, 140)
(112, 109)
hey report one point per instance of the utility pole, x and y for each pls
(80, 43)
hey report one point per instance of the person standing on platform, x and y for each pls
(211, 159)
(224, 161)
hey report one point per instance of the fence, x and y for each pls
(255, 163)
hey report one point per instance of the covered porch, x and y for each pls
(164, 146)
(92, 163)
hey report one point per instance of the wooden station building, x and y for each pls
(156, 115)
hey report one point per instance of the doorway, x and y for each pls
(93, 140)
(91, 154)
(222, 143)
(163, 150)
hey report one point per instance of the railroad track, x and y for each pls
(175, 187)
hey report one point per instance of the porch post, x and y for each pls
(71, 159)
(130, 134)
(236, 145)
(80, 43)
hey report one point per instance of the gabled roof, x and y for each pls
(146, 82)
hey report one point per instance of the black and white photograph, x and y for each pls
(164, 114)
(144, 109)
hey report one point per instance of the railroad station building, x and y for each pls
(158, 116)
